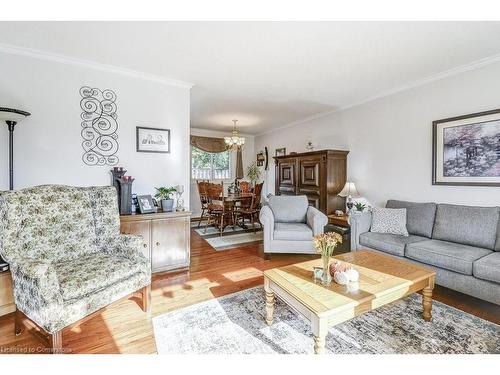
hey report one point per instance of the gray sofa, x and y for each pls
(460, 243)
(290, 223)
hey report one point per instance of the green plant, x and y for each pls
(164, 192)
(360, 206)
(253, 172)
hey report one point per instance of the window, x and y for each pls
(210, 166)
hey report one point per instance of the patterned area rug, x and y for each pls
(235, 324)
(230, 238)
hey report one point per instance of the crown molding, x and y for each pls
(411, 85)
(49, 56)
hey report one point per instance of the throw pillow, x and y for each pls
(389, 220)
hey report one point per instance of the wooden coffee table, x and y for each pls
(382, 280)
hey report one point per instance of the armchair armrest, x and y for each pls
(360, 223)
(36, 290)
(266, 218)
(316, 220)
(126, 245)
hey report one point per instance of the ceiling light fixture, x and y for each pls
(235, 140)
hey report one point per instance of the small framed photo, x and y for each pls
(146, 205)
(281, 151)
(153, 140)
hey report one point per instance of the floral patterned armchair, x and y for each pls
(67, 256)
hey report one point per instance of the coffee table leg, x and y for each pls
(427, 301)
(269, 302)
(319, 329)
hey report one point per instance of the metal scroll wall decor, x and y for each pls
(99, 126)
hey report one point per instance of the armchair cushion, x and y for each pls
(292, 232)
(289, 208)
(93, 272)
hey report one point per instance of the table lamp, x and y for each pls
(350, 192)
(12, 117)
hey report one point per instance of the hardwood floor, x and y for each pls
(124, 328)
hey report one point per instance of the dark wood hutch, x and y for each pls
(320, 175)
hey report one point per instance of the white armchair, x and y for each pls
(289, 224)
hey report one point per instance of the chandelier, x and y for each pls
(235, 140)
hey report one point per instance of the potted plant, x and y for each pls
(360, 207)
(164, 195)
(253, 173)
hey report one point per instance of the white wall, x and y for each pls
(390, 139)
(48, 143)
(248, 156)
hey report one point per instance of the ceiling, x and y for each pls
(269, 74)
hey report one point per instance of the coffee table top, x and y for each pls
(382, 279)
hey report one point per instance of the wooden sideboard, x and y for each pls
(320, 175)
(166, 238)
(166, 242)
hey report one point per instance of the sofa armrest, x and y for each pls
(360, 223)
(266, 217)
(316, 220)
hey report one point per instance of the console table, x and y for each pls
(166, 238)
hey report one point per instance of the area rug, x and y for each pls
(231, 238)
(234, 324)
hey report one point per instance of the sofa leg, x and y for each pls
(55, 341)
(146, 298)
(19, 326)
(267, 256)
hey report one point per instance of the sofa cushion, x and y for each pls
(497, 247)
(292, 232)
(93, 272)
(468, 225)
(389, 243)
(447, 255)
(289, 208)
(419, 216)
(488, 268)
(389, 220)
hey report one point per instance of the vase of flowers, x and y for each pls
(325, 244)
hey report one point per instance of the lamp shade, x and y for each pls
(10, 114)
(349, 190)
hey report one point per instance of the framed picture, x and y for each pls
(281, 151)
(466, 150)
(260, 159)
(146, 205)
(153, 140)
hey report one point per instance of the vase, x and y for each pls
(327, 278)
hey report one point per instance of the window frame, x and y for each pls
(212, 174)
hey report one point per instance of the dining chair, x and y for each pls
(245, 186)
(218, 212)
(248, 209)
(202, 191)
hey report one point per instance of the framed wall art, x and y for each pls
(466, 150)
(281, 151)
(153, 140)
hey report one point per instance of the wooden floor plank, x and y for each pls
(124, 328)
